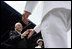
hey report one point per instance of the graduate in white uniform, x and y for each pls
(56, 21)
(40, 43)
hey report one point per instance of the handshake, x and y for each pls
(28, 32)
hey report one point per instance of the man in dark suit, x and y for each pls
(17, 39)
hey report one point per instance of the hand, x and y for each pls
(25, 33)
(25, 17)
(31, 33)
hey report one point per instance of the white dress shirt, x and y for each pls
(38, 47)
(20, 34)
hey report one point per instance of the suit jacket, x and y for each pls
(16, 41)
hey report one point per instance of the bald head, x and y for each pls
(18, 27)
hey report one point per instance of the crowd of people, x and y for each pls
(19, 40)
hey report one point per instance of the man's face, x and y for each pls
(40, 43)
(19, 27)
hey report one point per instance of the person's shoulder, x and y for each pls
(37, 47)
(13, 31)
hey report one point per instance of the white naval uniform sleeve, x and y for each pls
(68, 20)
(37, 28)
(30, 5)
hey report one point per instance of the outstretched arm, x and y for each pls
(37, 29)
